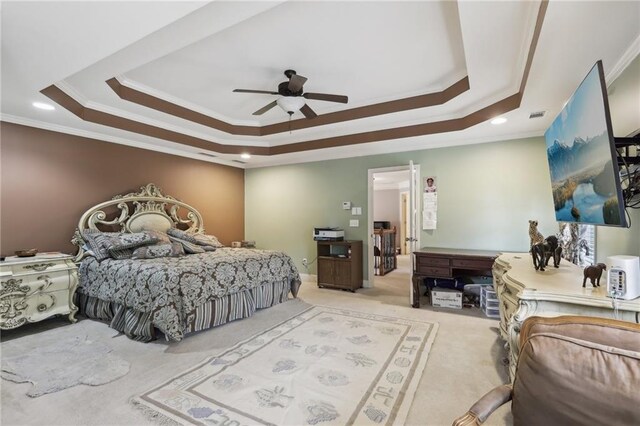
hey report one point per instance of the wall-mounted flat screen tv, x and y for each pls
(582, 157)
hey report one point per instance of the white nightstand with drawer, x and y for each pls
(36, 288)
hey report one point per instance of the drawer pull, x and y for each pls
(47, 282)
(39, 266)
(51, 302)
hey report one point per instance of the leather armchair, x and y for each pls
(571, 370)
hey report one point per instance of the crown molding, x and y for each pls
(87, 104)
(156, 123)
(164, 105)
(533, 31)
(114, 139)
(627, 57)
(132, 84)
(372, 150)
(72, 92)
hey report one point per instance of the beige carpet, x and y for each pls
(467, 357)
(299, 372)
(464, 362)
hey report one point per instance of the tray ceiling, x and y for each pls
(418, 74)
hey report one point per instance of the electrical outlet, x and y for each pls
(305, 262)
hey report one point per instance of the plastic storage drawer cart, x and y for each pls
(489, 302)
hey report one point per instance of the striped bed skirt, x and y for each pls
(138, 325)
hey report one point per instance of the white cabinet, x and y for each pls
(524, 292)
(35, 288)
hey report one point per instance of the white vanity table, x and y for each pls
(524, 292)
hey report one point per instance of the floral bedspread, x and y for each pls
(171, 287)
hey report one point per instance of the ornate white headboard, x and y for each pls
(148, 209)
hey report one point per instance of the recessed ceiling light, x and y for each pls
(498, 120)
(42, 105)
(245, 156)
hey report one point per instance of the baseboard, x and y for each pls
(309, 277)
(313, 277)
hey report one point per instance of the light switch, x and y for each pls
(354, 223)
(359, 210)
(356, 211)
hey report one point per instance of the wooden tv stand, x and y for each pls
(340, 264)
(433, 262)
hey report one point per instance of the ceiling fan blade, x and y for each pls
(266, 92)
(296, 82)
(327, 97)
(265, 108)
(308, 112)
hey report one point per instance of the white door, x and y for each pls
(413, 229)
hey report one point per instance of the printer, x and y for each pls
(328, 234)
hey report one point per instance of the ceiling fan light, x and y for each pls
(291, 104)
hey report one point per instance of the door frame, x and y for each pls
(369, 243)
(404, 221)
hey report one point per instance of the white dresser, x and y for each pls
(524, 292)
(35, 288)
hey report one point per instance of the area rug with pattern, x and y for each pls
(325, 366)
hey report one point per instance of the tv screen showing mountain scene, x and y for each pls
(582, 162)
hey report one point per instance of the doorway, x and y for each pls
(389, 206)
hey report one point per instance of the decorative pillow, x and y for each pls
(119, 245)
(123, 245)
(162, 237)
(189, 247)
(183, 235)
(207, 240)
(158, 250)
(94, 240)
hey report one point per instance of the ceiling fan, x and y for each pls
(292, 96)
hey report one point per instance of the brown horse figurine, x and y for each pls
(543, 251)
(594, 272)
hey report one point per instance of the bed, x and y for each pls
(172, 295)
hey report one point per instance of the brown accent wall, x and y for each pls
(48, 179)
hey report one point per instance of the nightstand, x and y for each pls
(35, 288)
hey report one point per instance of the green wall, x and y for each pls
(486, 195)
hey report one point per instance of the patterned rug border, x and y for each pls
(157, 415)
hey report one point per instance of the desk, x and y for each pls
(433, 262)
(524, 292)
